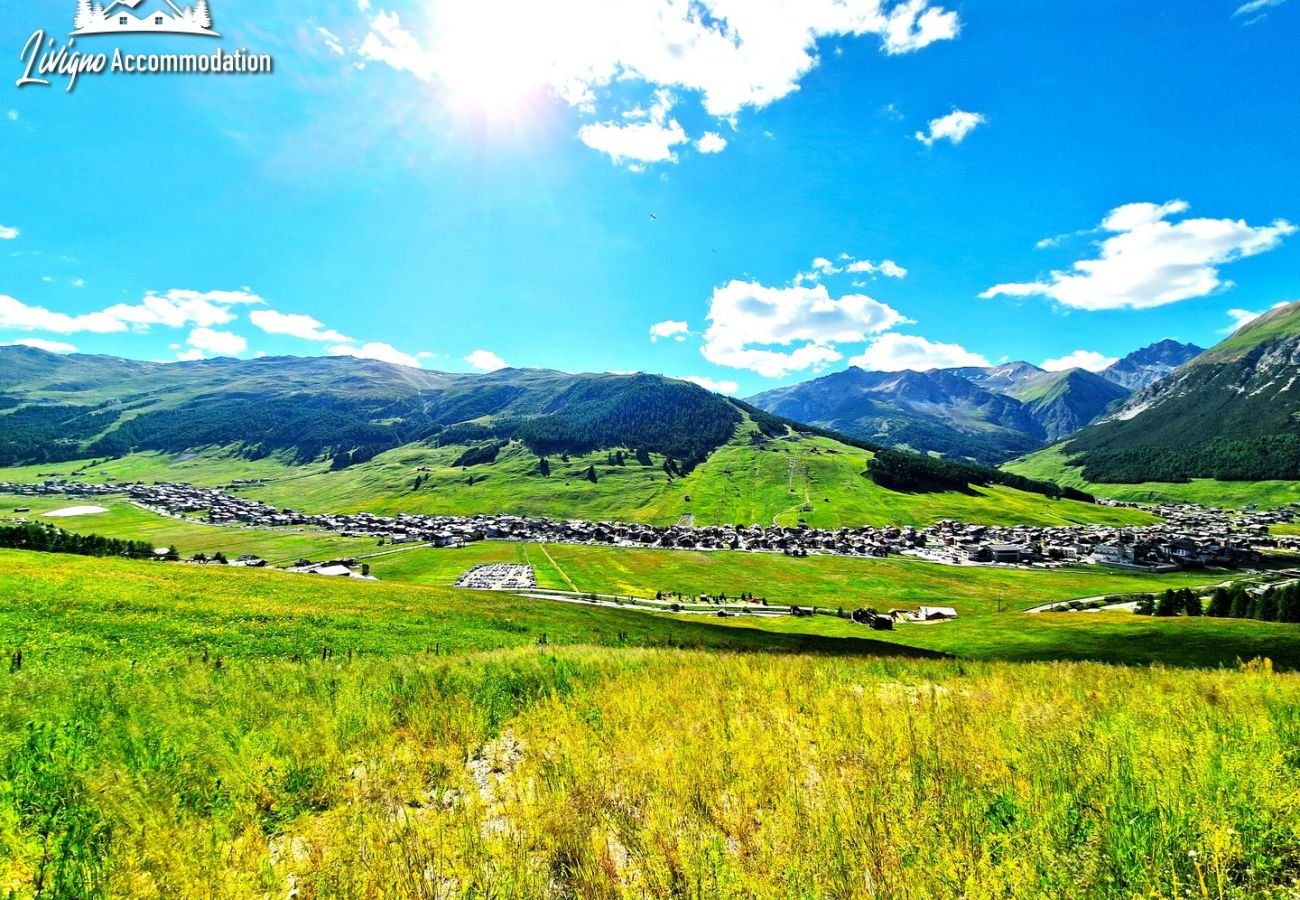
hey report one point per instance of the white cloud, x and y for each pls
(12, 115)
(174, 309)
(732, 54)
(886, 267)
(486, 360)
(8, 233)
(222, 343)
(18, 315)
(641, 142)
(1079, 359)
(179, 308)
(78, 282)
(822, 267)
(711, 142)
(388, 42)
(189, 355)
(669, 329)
(331, 41)
(1255, 6)
(296, 325)
(378, 351)
(1149, 261)
(747, 319)
(953, 127)
(41, 344)
(896, 352)
(718, 387)
(1242, 317)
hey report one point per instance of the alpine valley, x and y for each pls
(1219, 429)
(343, 434)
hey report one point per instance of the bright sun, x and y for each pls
(489, 70)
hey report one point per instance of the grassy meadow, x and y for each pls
(123, 519)
(814, 480)
(601, 772)
(185, 731)
(990, 601)
(1052, 464)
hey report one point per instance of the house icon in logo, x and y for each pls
(150, 16)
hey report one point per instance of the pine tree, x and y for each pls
(1289, 607)
(202, 17)
(84, 15)
(1192, 604)
(1220, 604)
(1168, 604)
(1240, 608)
(1268, 606)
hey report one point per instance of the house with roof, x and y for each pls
(150, 16)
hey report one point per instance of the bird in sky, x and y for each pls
(653, 216)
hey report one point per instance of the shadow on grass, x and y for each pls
(1206, 647)
(707, 636)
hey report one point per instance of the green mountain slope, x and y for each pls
(346, 409)
(1063, 402)
(1230, 414)
(1053, 464)
(340, 434)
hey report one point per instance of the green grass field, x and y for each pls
(977, 593)
(66, 609)
(175, 732)
(814, 480)
(1052, 465)
(279, 546)
(823, 581)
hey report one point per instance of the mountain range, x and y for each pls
(344, 434)
(1232, 414)
(986, 414)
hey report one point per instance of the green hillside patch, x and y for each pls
(632, 773)
(825, 581)
(1113, 637)
(1053, 464)
(751, 480)
(124, 520)
(62, 610)
(1229, 415)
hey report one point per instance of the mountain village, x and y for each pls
(1188, 536)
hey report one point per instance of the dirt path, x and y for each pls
(551, 560)
(793, 466)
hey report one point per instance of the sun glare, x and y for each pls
(489, 71)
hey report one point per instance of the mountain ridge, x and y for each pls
(1038, 407)
(1230, 413)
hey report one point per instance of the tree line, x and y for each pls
(900, 471)
(1275, 604)
(1271, 457)
(48, 539)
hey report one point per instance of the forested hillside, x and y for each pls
(59, 408)
(338, 413)
(1230, 414)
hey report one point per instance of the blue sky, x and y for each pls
(458, 185)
